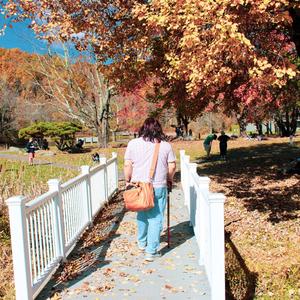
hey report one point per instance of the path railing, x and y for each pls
(206, 211)
(45, 230)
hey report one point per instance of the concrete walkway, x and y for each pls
(120, 272)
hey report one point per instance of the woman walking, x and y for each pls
(31, 148)
(138, 159)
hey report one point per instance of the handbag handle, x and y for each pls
(154, 160)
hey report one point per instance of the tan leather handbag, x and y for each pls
(139, 196)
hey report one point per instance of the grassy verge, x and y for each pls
(80, 159)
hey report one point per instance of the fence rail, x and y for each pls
(206, 212)
(46, 229)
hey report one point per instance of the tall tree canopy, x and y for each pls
(202, 50)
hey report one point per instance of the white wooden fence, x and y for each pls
(206, 211)
(45, 230)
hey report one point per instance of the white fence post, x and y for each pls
(207, 216)
(186, 161)
(192, 167)
(115, 155)
(20, 247)
(103, 161)
(203, 184)
(59, 227)
(85, 170)
(182, 170)
(217, 251)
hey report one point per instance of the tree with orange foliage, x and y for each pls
(198, 48)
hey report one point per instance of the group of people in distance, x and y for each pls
(223, 139)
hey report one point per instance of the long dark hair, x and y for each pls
(151, 131)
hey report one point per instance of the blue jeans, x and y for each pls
(150, 222)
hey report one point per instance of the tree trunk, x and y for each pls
(294, 118)
(268, 128)
(104, 132)
(288, 126)
(259, 128)
(242, 124)
(186, 125)
(114, 136)
(99, 135)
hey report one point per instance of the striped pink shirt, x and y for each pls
(140, 152)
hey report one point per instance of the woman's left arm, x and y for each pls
(127, 171)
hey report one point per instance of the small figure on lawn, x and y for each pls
(45, 144)
(223, 138)
(208, 142)
(79, 144)
(96, 157)
(178, 131)
(31, 147)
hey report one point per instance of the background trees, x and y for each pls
(231, 54)
(78, 90)
(8, 100)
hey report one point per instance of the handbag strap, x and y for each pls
(154, 160)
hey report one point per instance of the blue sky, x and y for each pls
(20, 36)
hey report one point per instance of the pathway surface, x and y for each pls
(121, 272)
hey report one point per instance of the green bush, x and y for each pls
(62, 133)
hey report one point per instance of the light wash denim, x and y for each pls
(150, 222)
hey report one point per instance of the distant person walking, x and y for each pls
(208, 142)
(223, 139)
(31, 148)
(138, 160)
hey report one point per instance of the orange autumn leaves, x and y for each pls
(206, 45)
(210, 43)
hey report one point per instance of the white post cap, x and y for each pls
(216, 198)
(16, 200)
(85, 169)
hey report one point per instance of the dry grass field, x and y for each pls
(17, 178)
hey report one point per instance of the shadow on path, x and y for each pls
(179, 233)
